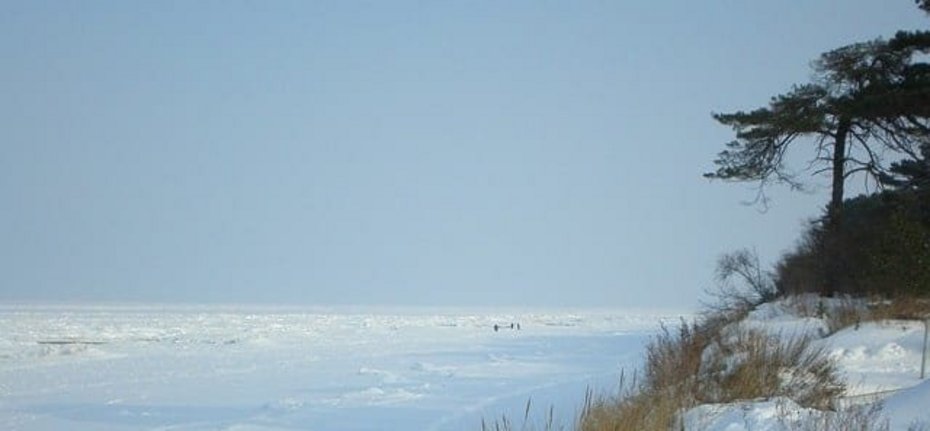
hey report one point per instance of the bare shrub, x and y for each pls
(742, 284)
(802, 270)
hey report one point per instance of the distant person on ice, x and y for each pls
(512, 326)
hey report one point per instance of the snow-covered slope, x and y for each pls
(880, 362)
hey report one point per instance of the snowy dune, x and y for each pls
(879, 362)
(251, 368)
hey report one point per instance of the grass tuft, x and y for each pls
(505, 424)
(714, 362)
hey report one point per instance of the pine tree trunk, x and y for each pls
(833, 266)
(839, 172)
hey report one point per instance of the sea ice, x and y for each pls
(241, 368)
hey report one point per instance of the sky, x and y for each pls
(483, 153)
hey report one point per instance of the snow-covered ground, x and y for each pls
(251, 368)
(879, 361)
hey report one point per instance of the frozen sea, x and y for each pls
(272, 368)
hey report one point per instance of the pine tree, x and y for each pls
(869, 100)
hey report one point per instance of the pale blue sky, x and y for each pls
(414, 153)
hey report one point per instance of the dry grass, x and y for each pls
(668, 383)
(710, 364)
(634, 408)
(750, 365)
(902, 308)
(848, 312)
(867, 417)
(505, 424)
(852, 312)
(673, 360)
(855, 418)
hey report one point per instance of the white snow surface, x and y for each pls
(252, 368)
(779, 414)
(879, 361)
